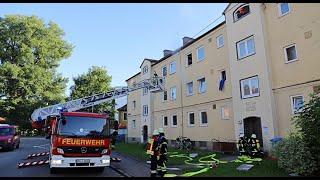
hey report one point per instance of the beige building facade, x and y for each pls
(247, 75)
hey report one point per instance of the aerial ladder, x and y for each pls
(154, 84)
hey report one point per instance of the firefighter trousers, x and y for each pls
(162, 168)
(153, 166)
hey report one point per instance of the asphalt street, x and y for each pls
(10, 159)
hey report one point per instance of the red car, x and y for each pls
(9, 137)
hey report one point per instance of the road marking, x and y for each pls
(41, 146)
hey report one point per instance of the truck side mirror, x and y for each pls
(116, 125)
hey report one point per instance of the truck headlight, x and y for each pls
(105, 161)
(105, 151)
(60, 151)
(56, 161)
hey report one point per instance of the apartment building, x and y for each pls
(249, 74)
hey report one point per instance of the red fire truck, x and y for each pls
(81, 139)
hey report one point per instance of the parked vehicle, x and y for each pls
(9, 137)
(183, 143)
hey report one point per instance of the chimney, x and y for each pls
(186, 40)
(167, 52)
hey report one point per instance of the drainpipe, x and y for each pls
(181, 93)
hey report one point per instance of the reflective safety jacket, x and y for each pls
(163, 143)
(153, 146)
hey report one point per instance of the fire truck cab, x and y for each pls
(79, 139)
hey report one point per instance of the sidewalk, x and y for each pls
(131, 166)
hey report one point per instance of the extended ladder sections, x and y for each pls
(155, 84)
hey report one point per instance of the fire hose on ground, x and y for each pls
(206, 165)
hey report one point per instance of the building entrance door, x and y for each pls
(145, 133)
(252, 125)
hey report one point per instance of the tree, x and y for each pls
(95, 81)
(30, 52)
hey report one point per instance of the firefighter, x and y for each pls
(254, 146)
(114, 134)
(163, 149)
(241, 145)
(153, 151)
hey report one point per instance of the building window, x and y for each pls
(165, 121)
(223, 78)
(200, 53)
(284, 9)
(191, 119)
(225, 112)
(133, 124)
(173, 93)
(145, 110)
(296, 104)
(124, 116)
(220, 41)
(145, 91)
(189, 88)
(164, 71)
(174, 121)
(172, 67)
(202, 85)
(245, 47)
(241, 12)
(133, 104)
(189, 60)
(203, 118)
(291, 53)
(145, 69)
(165, 95)
(250, 87)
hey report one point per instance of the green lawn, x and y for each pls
(264, 168)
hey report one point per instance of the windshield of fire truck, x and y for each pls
(6, 131)
(83, 126)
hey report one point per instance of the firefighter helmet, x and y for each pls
(161, 130)
(253, 136)
(155, 132)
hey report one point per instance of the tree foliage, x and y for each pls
(30, 52)
(300, 151)
(95, 81)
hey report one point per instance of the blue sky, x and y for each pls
(120, 36)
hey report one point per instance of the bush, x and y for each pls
(295, 156)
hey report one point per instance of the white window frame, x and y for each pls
(162, 71)
(222, 112)
(144, 91)
(217, 41)
(242, 88)
(200, 119)
(172, 121)
(145, 113)
(175, 92)
(175, 67)
(163, 100)
(286, 55)
(187, 60)
(246, 47)
(293, 111)
(163, 125)
(133, 124)
(194, 119)
(279, 9)
(235, 19)
(187, 89)
(205, 85)
(145, 69)
(204, 53)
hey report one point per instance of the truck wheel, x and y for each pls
(100, 169)
(53, 170)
